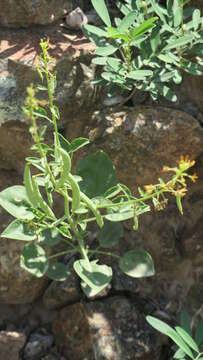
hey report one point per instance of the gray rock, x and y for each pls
(37, 346)
(59, 294)
(141, 141)
(40, 12)
(110, 329)
(11, 343)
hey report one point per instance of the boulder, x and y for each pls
(108, 329)
(39, 12)
(11, 343)
(19, 52)
(140, 141)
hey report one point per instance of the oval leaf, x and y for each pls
(34, 260)
(98, 174)
(50, 237)
(137, 264)
(102, 11)
(110, 234)
(15, 201)
(18, 230)
(57, 271)
(187, 338)
(97, 277)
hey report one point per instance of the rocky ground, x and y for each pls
(47, 320)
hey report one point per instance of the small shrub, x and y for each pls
(92, 194)
(150, 47)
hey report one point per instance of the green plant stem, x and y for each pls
(50, 95)
(36, 139)
(103, 253)
(144, 198)
(198, 356)
(61, 254)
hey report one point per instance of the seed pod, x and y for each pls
(93, 208)
(29, 187)
(66, 168)
(75, 192)
(41, 202)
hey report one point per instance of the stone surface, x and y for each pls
(38, 12)
(111, 329)
(37, 346)
(11, 343)
(59, 294)
(141, 140)
(19, 50)
(17, 286)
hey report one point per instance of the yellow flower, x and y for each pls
(185, 162)
(149, 188)
(180, 192)
(194, 177)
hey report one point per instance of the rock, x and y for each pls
(191, 90)
(73, 55)
(17, 286)
(137, 139)
(111, 329)
(11, 343)
(76, 19)
(71, 331)
(37, 346)
(40, 12)
(59, 294)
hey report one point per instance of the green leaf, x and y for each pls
(58, 271)
(155, 39)
(19, 230)
(185, 322)
(196, 18)
(187, 338)
(98, 174)
(180, 342)
(159, 325)
(102, 11)
(75, 145)
(96, 30)
(114, 33)
(100, 60)
(34, 260)
(127, 21)
(179, 354)
(167, 92)
(97, 277)
(110, 234)
(137, 263)
(199, 333)
(106, 50)
(120, 216)
(114, 63)
(50, 237)
(177, 43)
(177, 12)
(15, 201)
(191, 67)
(159, 10)
(143, 28)
(139, 74)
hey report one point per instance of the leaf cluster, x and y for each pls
(148, 48)
(91, 194)
(187, 347)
